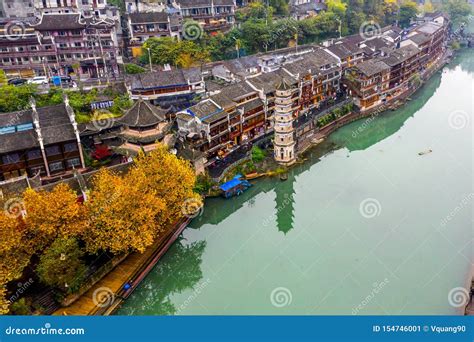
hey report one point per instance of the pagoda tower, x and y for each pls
(284, 141)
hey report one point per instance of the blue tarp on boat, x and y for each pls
(232, 183)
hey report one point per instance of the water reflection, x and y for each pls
(467, 64)
(362, 134)
(177, 271)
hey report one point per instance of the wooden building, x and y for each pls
(42, 141)
(142, 126)
(368, 83)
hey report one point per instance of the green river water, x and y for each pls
(364, 226)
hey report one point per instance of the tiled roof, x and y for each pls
(55, 128)
(311, 62)
(344, 49)
(420, 38)
(372, 67)
(204, 3)
(149, 17)
(142, 114)
(55, 21)
(269, 81)
(400, 55)
(159, 79)
(428, 28)
(205, 110)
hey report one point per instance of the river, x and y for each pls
(365, 226)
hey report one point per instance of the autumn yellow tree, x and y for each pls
(15, 253)
(4, 304)
(122, 214)
(15, 249)
(171, 178)
(53, 214)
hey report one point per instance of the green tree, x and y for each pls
(389, 12)
(255, 35)
(258, 154)
(355, 15)
(121, 104)
(458, 11)
(167, 50)
(337, 7)
(280, 6)
(131, 68)
(257, 10)
(13, 98)
(3, 78)
(61, 265)
(408, 11)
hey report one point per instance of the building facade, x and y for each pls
(60, 44)
(143, 26)
(39, 141)
(212, 15)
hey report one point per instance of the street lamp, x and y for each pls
(43, 59)
(149, 59)
(340, 27)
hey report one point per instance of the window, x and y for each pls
(24, 127)
(70, 147)
(53, 150)
(34, 154)
(11, 158)
(73, 163)
(6, 130)
(57, 166)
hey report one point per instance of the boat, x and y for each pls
(235, 187)
(425, 152)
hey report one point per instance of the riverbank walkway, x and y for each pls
(132, 270)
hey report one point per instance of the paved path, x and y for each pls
(111, 283)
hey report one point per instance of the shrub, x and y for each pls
(258, 154)
(61, 265)
(131, 68)
(20, 307)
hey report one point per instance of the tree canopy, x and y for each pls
(123, 213)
